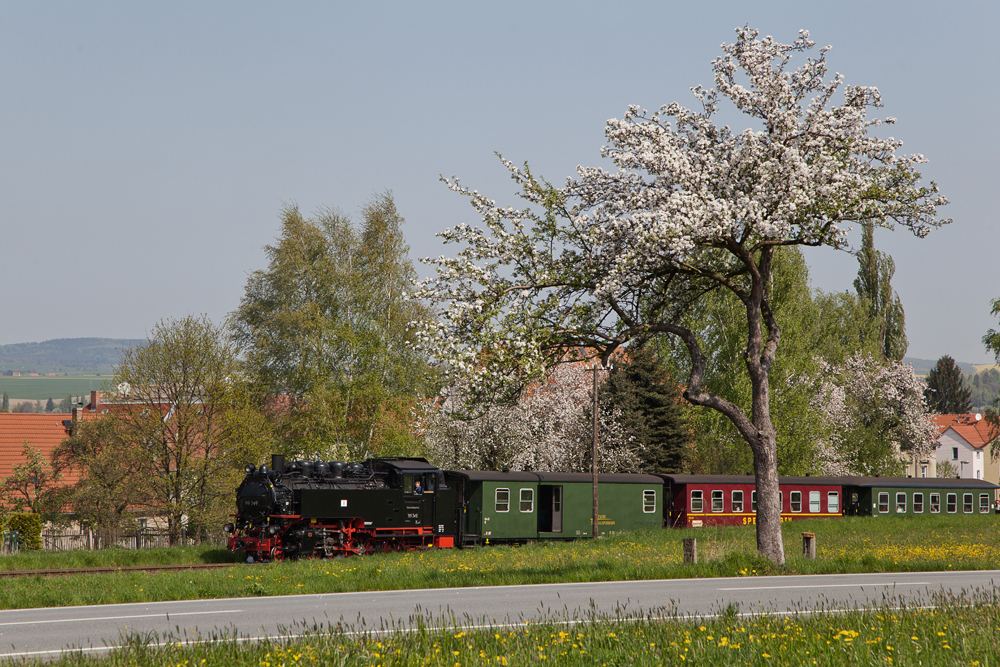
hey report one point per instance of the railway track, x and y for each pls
(52, 572)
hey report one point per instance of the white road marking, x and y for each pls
(775, 588)
(119, 618)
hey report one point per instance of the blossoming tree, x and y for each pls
(620, 256)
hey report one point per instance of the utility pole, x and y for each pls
(593, 456)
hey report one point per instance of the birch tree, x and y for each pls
(694, 207)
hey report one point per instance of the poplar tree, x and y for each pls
(873, 286)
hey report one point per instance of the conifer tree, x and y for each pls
(946, 393)
(651, 410)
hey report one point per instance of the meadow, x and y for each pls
(42, 388)
(943, 630)
(851, 544)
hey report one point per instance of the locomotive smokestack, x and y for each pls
(278, 463)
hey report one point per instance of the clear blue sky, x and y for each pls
(147, 149)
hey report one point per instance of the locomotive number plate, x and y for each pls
(343, 502)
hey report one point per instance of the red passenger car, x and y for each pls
(694, 501)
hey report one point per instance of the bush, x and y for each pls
(30, 528)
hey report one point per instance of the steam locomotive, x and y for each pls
(307, 509)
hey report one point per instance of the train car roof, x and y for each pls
(553, 477)
(865, 482)
(403, 463)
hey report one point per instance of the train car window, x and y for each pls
(952, 502)
(967, 503)
(833, 502)
(814, 504)
(984, 503)
(737, 501)
(900, 502)
(697, 500)
(527, 500)
(503, 500)
(935, 503)
(753, 501)
(795, 501)
(883, 503)
(648, 501)
(918, 503)
(717, 501)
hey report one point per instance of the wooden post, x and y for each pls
(809, 545)
(690, 550)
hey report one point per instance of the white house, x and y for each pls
(964, 443)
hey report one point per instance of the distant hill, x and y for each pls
(923, 366)
(76, 356)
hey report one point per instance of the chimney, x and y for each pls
(95, 400)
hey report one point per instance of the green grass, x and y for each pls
(958, 630)
(49, 560)
(854, 544)
(57, 388)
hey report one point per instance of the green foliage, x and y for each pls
(33, 485)
(816, 327)
(946, 391)
(651, 410)
(200, 422)
(984, 388)
(6, 403)
(29, 526)
(883, 304)
(329, 325)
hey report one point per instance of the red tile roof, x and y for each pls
(975, 432)
(42, 431)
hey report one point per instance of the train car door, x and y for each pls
(550, 509)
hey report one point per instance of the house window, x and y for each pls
(984, 503)
(952, 503)
(716, 501)
(901, 503)
(978, 454)
(527, 500)
(967, 503)
(737, 501)
(795, 500)
(833, 502)
(918, 503)
(923, 470)
(954, 453)
(814, 501)
(648, 501)
(935, 503)
(503, 500)
(697, 501)
(883, 503)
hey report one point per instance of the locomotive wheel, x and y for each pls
(277, 554)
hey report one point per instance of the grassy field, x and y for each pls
(57, 388)
(853, 544)
(958, 630)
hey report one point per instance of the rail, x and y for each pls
(54, 572)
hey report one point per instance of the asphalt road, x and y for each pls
(47, 632)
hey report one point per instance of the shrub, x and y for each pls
(29, 526)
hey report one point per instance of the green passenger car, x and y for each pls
(904, 496)
(520, 506)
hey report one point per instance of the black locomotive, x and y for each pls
(312, 508)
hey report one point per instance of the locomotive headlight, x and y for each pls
(229, 528)
(273, 530)
(250, 469)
